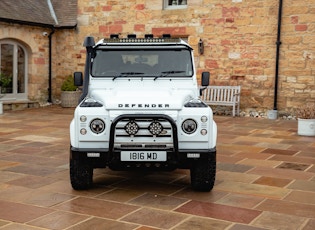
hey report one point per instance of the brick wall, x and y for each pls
(239, 38)
(36, 45)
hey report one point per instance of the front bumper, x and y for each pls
(100, 158)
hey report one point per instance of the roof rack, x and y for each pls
(148, 38)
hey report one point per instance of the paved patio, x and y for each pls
(265, 180)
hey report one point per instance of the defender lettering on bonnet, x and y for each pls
(140, 109)
(143, 106)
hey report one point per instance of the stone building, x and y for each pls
(240, 40)
(29, 33)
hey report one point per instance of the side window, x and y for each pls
(175, 4)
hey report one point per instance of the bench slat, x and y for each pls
(223, 95)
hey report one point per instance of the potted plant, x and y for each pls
(69, 93)
(306, 120)
(5, 83)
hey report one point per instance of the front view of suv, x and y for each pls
(140, 110)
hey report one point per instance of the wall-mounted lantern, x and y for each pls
(200, 47)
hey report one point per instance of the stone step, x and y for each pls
(19, 105)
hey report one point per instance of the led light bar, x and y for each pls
(140, 40)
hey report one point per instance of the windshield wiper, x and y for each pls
(166, 73)
(125, 74)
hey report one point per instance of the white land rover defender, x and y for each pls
(140, 109)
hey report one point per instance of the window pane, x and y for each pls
(144, 63)
(21, 71)
(6, 63)
(177, 2)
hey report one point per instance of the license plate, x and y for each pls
(143, 156)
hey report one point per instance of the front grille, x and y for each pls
(140, 136)
(131, 146)
(146, 146)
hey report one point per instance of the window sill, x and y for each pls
(175, 7)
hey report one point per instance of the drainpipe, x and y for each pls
(49, 65)
(278, 43)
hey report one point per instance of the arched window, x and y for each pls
(13, 70)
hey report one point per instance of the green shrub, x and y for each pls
(68, 84)
(5, 80)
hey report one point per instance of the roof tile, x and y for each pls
(35, 11)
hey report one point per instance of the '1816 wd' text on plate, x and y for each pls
(143, 156)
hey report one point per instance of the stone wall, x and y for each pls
(239, 37)
(36, 45)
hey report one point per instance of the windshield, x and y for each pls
(142, 63)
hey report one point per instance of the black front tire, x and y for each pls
(202, 173)
(81, 174)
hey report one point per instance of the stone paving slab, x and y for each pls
(265, 180)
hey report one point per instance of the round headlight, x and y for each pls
(189, 126)
(97, 126)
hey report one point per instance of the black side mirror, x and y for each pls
(78, 78)
(205, 77)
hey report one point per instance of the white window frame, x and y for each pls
(15, 95)
(167, 6)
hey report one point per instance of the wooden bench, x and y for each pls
(223, 95)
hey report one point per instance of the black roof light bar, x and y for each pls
(131, 36)
(148, 38)
(114, 36)
(166, 36)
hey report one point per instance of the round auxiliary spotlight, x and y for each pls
(131, 128)
(155, 128)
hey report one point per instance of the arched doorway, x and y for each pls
(13, 70)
